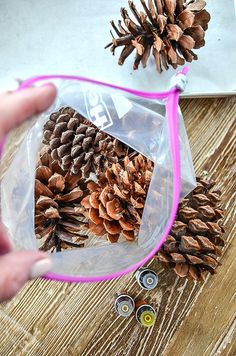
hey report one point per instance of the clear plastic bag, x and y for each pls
(150, 123)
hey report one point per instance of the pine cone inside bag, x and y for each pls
(79, 146)
(115, 204)
(59, 219)
(169, 29)
(195, 240)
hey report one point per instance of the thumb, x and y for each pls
(17, 107)
(18, 267)
(5, 243)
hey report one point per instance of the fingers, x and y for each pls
(18, 267)
(19, 106)
(5, 244)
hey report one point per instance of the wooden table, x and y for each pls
(49, 318)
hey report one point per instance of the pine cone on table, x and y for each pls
(195, 240)
(171, 29)
(79, 146)
(59, 219)
(115, 204)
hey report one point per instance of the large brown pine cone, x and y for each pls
(195, 240)
(115, 204)
(170, 28)
(59, 219)
(79, 146)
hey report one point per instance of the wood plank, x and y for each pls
(49, 318)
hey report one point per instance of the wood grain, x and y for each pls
(49, 318)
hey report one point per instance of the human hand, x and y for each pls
(18, 267)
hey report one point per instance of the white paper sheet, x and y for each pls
(48, 36)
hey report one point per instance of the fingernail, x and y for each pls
(40, 268)
(46, 84)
